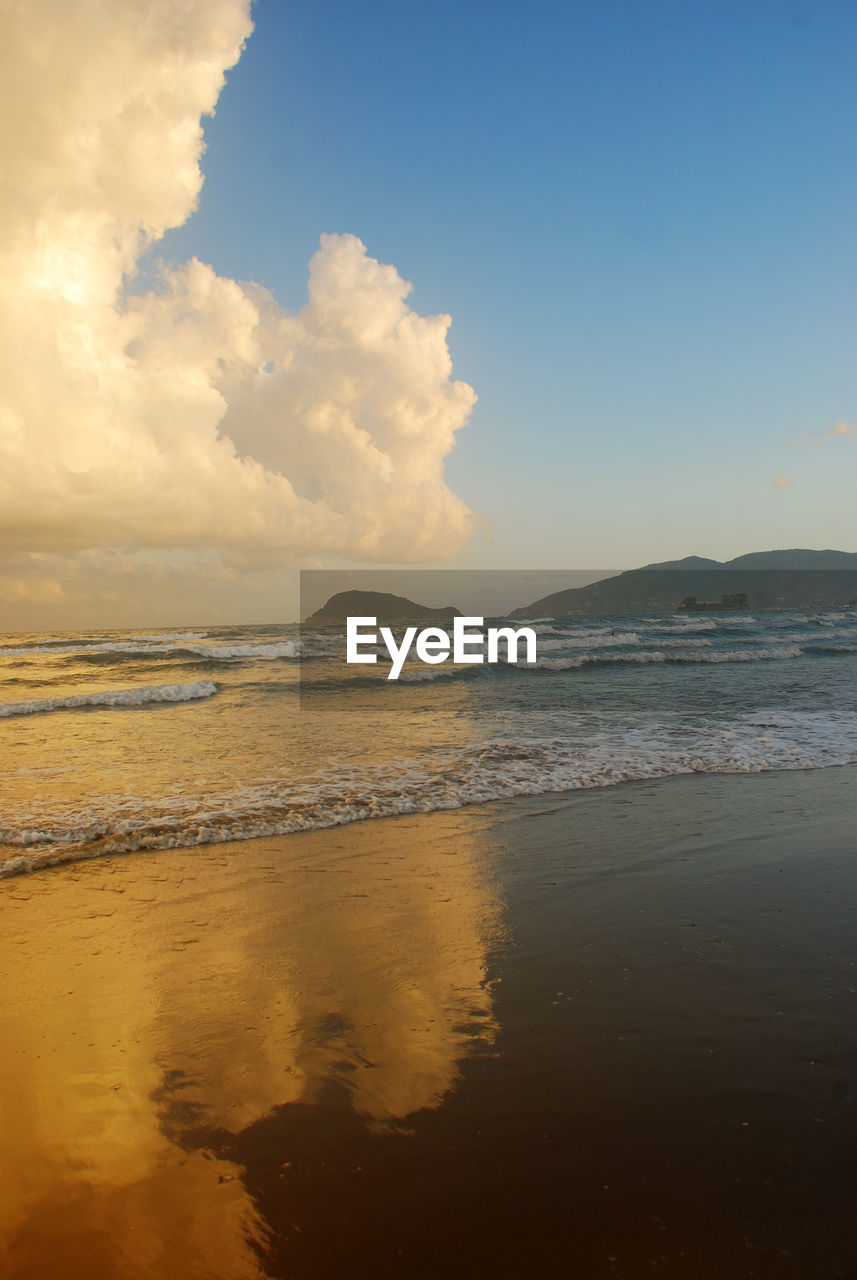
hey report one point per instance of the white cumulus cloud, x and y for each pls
(199, 413)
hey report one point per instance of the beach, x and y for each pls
(428, 642)
(604, 1033)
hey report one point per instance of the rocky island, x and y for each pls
(381, 605)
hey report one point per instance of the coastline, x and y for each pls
(605, 1029)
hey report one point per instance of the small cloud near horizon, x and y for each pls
(841, 431)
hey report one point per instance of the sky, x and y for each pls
(492, 285)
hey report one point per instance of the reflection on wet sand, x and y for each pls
(152, 999)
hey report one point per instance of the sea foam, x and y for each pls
(113, 698)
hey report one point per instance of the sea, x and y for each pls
(121, 741)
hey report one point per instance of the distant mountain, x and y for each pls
(795, 559)
(797, 579)
(377, 604)
(689, 562)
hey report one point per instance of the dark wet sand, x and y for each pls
(603, 1034)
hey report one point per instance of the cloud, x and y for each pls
(197, 414)
(115, 587)
(841, 431)
(781, 482)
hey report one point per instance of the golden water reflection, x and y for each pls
(153, 996)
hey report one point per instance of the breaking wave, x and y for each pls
(180, 645)
(654, 656)
(113, 698)
(472, 774)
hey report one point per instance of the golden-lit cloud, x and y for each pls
(840, 431)
(197, 414)
(781, 482)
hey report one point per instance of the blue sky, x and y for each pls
(640, 217)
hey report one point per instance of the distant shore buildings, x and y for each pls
(737, 600)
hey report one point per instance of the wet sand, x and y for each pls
(601, 1034)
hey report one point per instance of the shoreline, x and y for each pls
(622, 1017)
(12, 854)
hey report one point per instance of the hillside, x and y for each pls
(795, 579)
(377, 604)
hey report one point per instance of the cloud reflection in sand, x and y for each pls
(159, 997)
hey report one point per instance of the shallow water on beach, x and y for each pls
(598, 1035)
(120, 741)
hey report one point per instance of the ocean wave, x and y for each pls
(575, 661)
(417, 675)
(113, 698)
(492, 770)
(128, 648)
(172, 637)
(49, 644)
(320, 646)
(591, 640)
(644, 657)
(683, 642)
(568, 630)
(815, 636)
(271, 649)
(58, 646)
(695, 624)
(744, 655)
(702, 622)
(619, 640)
